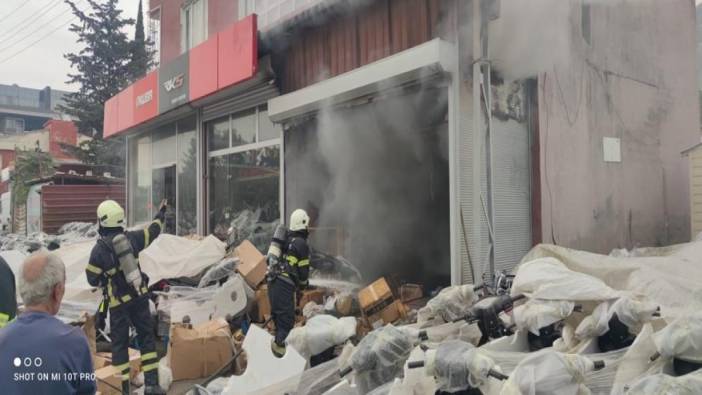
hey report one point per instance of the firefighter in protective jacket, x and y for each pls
(292, 272)
(114, 266)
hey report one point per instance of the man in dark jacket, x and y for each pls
(8, 299)
(114, 266)
(292, 273)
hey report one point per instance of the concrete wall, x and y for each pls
(635, 81)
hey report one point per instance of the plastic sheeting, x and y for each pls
(320, 333)
(459, 365)
(667, 275)
(631, 311)
(172, 256)
(536, 314)
(662, 384)
(219, 271)
(550, 279)
(380, 356)
(450, 304)
(549, 372)
(682, 338)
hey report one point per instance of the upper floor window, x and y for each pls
(12, 125)
(193, 24)
(155, 34)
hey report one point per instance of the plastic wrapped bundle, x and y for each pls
(219, 271)
(320, 333)
(662, 384)
(536, 314)
(380, 357)
(319, 379)
(459, 365)
(633, 311)
(682, 338)
(450, 304)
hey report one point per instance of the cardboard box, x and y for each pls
(109, 381)
(311, 295)
(410, 292)
(252, 264)
(389, 314)
(263, 303)
(199, 351)
(103, 359)
(374, 294)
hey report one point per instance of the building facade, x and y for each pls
(24, 109)
(437, 140)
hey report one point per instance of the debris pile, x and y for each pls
(602, 322)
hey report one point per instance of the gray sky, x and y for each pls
(42, 63)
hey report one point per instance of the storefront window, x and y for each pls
(140, 179)
(187, 177)
(163, 165)
(218, 134)
(267, 130)
(245, 193)
(244, 183)
(243, 128)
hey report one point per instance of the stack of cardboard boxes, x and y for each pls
(378, 304)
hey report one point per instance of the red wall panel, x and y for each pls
(237, 52)
(61, 132)
(145, 102)
(111, 117)
(125, 100)
(203, 68)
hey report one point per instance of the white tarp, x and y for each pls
(549, 279)
(172, 256)
(669, 276)
(320, 333)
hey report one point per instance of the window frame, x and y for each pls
(155, 39)
(188, 22)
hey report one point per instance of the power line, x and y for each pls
(37, 41)
(12, 44)
(24, 3)
(12, 32)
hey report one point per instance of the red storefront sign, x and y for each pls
(225, 59)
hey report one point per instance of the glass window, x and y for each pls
(140, 179)
(244, 128)
(164, 187)
(164, 145)
(267, 130)
(193, 20)
(218, 134)
(187, 177)
(244, 194)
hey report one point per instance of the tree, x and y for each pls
(142, 54)
(103, 67)
(29, 165)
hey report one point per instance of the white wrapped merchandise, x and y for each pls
(549, 372)
(636, 361)
(320, 333)
(219, 271)
(667, 275)
(536, 314)
(682, 338)
(632, 311)
(550, 279)
(459, 365)
(450, 304)
(171, 256)
(662, 384)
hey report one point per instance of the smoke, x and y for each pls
(379, 171)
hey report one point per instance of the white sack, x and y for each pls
(682, 338)
(632, 311)
(667, 275)
(536, 314)
(172, 256)
(662, 384)
(451, 303)
(320, 333)
(549, 372)
(550, 279)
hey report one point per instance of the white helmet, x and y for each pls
(299, 220)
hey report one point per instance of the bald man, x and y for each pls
(39, 354)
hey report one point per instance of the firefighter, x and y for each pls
(114, 266)
(286, 276)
